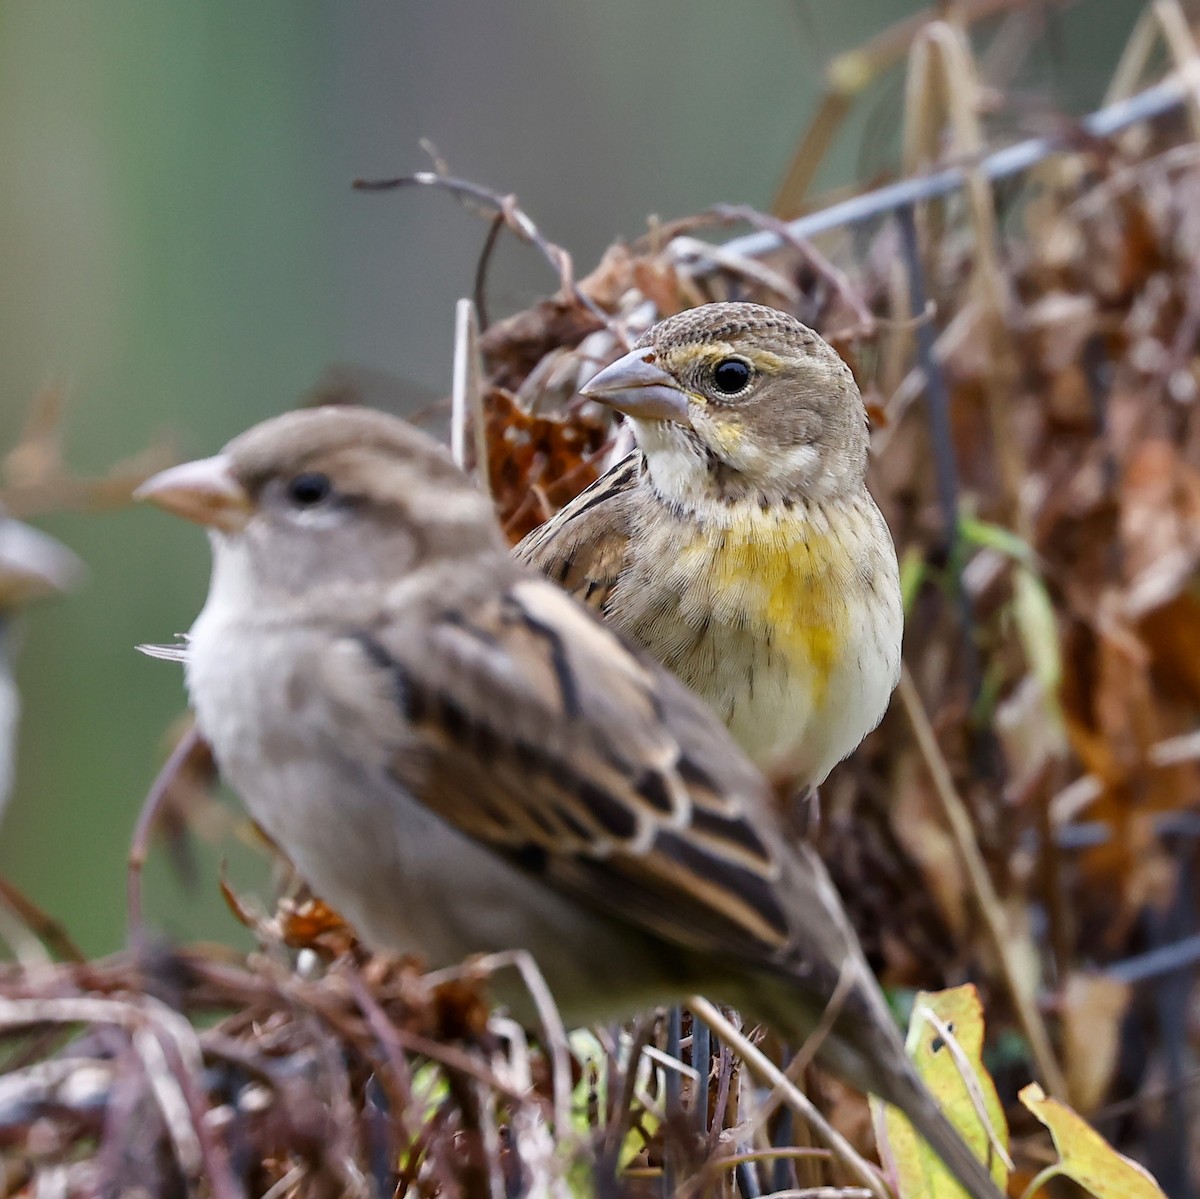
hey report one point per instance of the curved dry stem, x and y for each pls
(969, 1077)
(147, 819)
(1008, 946)
(766, 1070)
(552, 1025)
(497, 207)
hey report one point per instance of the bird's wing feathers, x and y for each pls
(603, 775)
(583, 547)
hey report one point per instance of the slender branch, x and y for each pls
(849, 74)
(147, 819)
(514, 218)
(766, 1070)
(1012, 160)
(48, 930)
(1154, 963)
(479, 292)
(1010, 946)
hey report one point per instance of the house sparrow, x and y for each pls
(462, 759)
(738, 543)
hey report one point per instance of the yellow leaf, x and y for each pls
(1034, 613)
(945, 1041)
(1086, 1156)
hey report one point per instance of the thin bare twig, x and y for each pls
(969, 1078)
(1177, 34)
(504, 207)
(769, 1073)
(143, 830)
(1010, 945)
(1012, 160)
(833, 275)
(479, 291)
(621, 1107)
(42, 925)
(848, 75)
(547, 1011)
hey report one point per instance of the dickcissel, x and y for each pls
(463, 759)
(738, 543)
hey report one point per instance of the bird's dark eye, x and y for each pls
(731, 375)
(309, 489)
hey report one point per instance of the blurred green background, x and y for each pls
(180, 246)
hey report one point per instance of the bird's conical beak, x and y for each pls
(204, 491)
(637, 387)
(33, 565)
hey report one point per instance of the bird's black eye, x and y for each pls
(732, 375)
(309, 489)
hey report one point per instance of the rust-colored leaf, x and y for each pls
(536, 463)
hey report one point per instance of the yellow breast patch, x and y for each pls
(787, 578)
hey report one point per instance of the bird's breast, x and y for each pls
(787, 622)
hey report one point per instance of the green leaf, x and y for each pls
(984, 535)
(591, 1096)
(912, 574)
(1032, 608)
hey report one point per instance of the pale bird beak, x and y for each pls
(204, 491)
(33, 565)
(635, 386)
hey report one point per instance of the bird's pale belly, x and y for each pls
(406, 880)
(792, 637)
(795, 723)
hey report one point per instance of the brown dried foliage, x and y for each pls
(1083, 788)
(1055, 644)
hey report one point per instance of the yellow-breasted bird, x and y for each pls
(738, 543)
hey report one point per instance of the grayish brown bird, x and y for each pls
(463, 759)
(33, 566)
(738, 543)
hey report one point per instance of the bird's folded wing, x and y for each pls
(534, 729)
(583, 547)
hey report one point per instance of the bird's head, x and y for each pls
(740, 400)
(329, 499)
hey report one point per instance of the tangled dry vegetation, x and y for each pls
(1026, 815)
